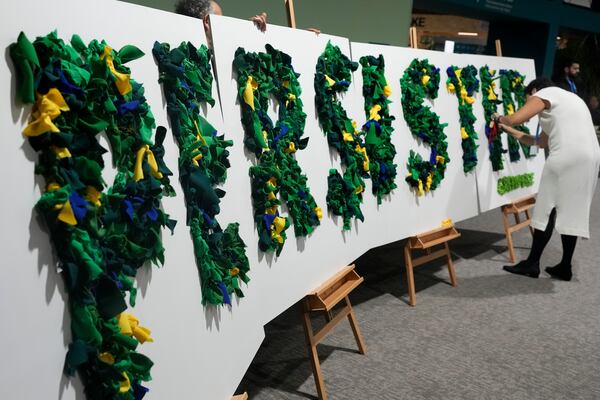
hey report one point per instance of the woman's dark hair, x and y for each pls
(538, 84)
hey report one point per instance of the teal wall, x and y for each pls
(373, 21)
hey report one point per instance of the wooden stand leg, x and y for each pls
(410, 279)
(362, 349)
(511, 250)
(451, 270)
(314, 356)
(529, 218)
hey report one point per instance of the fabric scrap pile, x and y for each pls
(421, 80)
(490, 106)
(512, 83)
(186, 78)
(509, 183)
(333, 76)
(463, 83)
(378, 128)
(276, 171)
(101, 237)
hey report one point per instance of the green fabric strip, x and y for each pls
(276, 171)
(186, 78)
(101, 236)
(378, 128)
(421, 80)
(509, 183)
(333, 76)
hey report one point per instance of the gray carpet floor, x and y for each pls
(495, 336)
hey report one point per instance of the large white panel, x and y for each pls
(198, 353)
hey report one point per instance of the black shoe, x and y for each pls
(531, 270)
(561, 272)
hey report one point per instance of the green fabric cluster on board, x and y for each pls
(512, 83)
(463, 83)
(421, 80)
(101, 237)
(378, 128)
(490, 106)
(186, 77)
(333, 76)
(276, 171)
(509, 183)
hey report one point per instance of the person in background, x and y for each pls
(594, 106)
(570, 71)
(570, 174)
(201, 9)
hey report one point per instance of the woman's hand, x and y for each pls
(260, 21)
(505, 128)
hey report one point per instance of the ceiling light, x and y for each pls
(468, 34)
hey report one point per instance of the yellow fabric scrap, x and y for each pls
(425, 80)
(107, 358)
(52, 186)
(440, 159)
(122, 80)
(387, 91)
(420, 192)
(363, 151)
(139, 172)
(251, 86)
(130, 326)
(451, 87)
(279, 224)
(291, 148)
(330, 82)
(234, 271)
(319, 213)
(47, 107)
(463, 134)
(66, 214)
(125, 385)
(447, 222)
(93, 195)
(347, 137)
(61, 152)
(374, 113)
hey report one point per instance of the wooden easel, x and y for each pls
(413, 37)
(425, 242)
(516, 208)
(323, 300)
(291, 13)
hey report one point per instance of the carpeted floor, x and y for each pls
(495, 336)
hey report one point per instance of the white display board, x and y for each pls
(278, 282)
(203, 352)
(455, 195)
(197, 353)
(487, 179)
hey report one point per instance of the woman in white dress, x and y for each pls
(570, 173)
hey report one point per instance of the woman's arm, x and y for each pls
(531, 108)
(524, 138)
